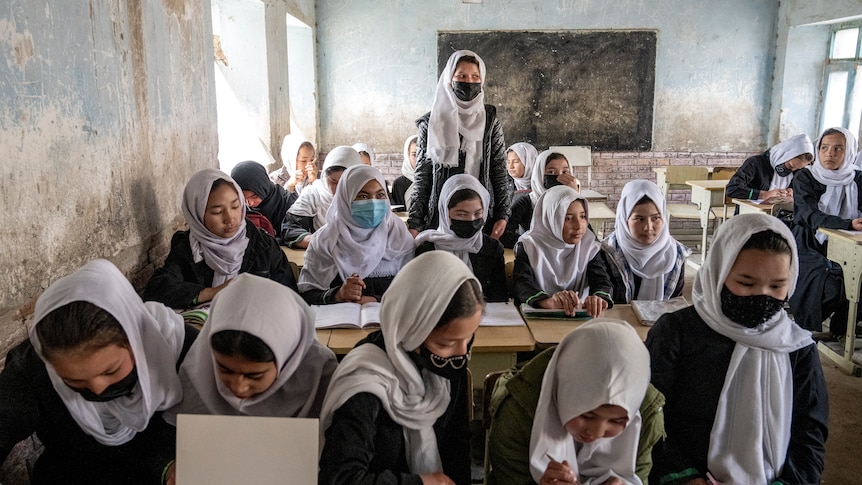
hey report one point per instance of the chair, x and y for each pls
(487, 390)
(578, 156)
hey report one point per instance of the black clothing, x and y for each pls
(754, 175)
(29, 403)
(489, 267)
(274, 199)
(295, 227)
(527, 289)
(373, 287)
(178, 283)
(365, 446)
(399, 187)
(689, 363)
(520, 219)
(429, 178)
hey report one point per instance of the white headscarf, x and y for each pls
(415, 400)
(784, 151)
(602, 362)
(451, 117)
(289, 152)
(537, 179)
(222, 255)
(443, 237)
(285, 323)
(342, 247)
(841, 196)
(558, 265)
(315, 200)
(155, 335)
(749, 442)
(527, 154)
(362, 147)
(651, 262)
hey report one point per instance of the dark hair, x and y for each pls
(830, 131)
(470, 59)
(79, 326)
(556, 156)
(241, 344)
(413, 142)
(768, 241)
(220, 182)
(333, 169)
(462, 195)
(463, 303)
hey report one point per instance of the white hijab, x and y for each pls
(842, 194)
(362, 147)
(749, 442)
(316, 198)
(784, 151)
(289, 152)
(537, 178)
(651, 262)
(601, 362)
(443, 237)
(155, 335)
(558, 265)
(342, 247)
(285, 323)
(413, 399)
(527, 154)
(222, 255)
(451, 117)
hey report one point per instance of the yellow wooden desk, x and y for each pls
(846, 250)
(707, 194)
(296, 258)
(549, 332)
(599, 214)
(323, 336)
(593, 196)
(748, 206)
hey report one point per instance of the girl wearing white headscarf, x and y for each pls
(92, 380)
(219, 245)
(308, 213)
(746, 398)
(402, 187)
(644, 261)
(770, 174)
(557, 262)
(396, 409)
(461, 134)
(362, 246)
(520, 159)
(298, 169)
(825, 195)
(462, 214)
(257, 315)
(364, 152)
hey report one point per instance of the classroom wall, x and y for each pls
(377, 63)
(106, 109)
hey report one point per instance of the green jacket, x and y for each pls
(513, 406)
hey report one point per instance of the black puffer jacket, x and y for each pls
(429, 179)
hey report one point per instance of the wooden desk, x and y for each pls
(403, 216)
(593, 196)
(323, 336)
(508, 255)
(294, 256)
(547, 332)
(599, 214)
(747, 206)
(846, 250)
(707, 194)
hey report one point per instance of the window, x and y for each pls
(842, 96)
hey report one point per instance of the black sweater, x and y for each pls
(375, 287)
(399, 187)
(520, 220)
(754, 175)
(526, 286)
(29, 403)
(489, 267)
(179, 282)
(365, 446)
(689, 362)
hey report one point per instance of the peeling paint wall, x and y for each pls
(377, 63)
(106, 109)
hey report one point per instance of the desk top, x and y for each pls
(323, 336)
(488, 339)
(854, 237)
(508, 255)
(601, 210)
(769, 208)
(592, 195)
(295, 256)
(708, 184)
(548, 332)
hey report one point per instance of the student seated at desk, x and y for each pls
(99, 368)
(825, 195)
(298, 169)
(402, 187)
(558, 262)
(462, 215)
(769, 174)
(520, 160)
(581, 412)
(365, 153)
(308, 213)
(746, 398)
(362, 246)
(261, 194)
(643, 260)
(218, 245)
(397, 407)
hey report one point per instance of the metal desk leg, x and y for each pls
(851, 263)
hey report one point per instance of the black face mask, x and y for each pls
(749, 311)
(466, 229)
(782, 170)
(445, 367)
(551, 181)
(466, 91)
(122, 388)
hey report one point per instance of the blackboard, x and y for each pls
(591, 88)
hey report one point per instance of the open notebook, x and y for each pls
(648, 311)
(245, 449)
(347, 315)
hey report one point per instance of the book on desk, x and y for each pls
(648, 311)
(347, 315)
(552, 313)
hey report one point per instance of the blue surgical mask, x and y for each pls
(369, 213)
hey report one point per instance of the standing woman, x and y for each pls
(397, 408)
(770, 174)
(298, 168)
(402, 187)
(362, 246)
(261, 194)
(461, 134)
(99, 368)
(826, 195)
(644, 261)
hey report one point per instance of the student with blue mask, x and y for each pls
(362, 246)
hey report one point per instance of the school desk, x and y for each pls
(845, 248)
(599, 214)
(593, 196)
(708, 195)
(747, 206)
(403, 216)
(323, 336)
(549, 332)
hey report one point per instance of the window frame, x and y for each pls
(852, 67)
